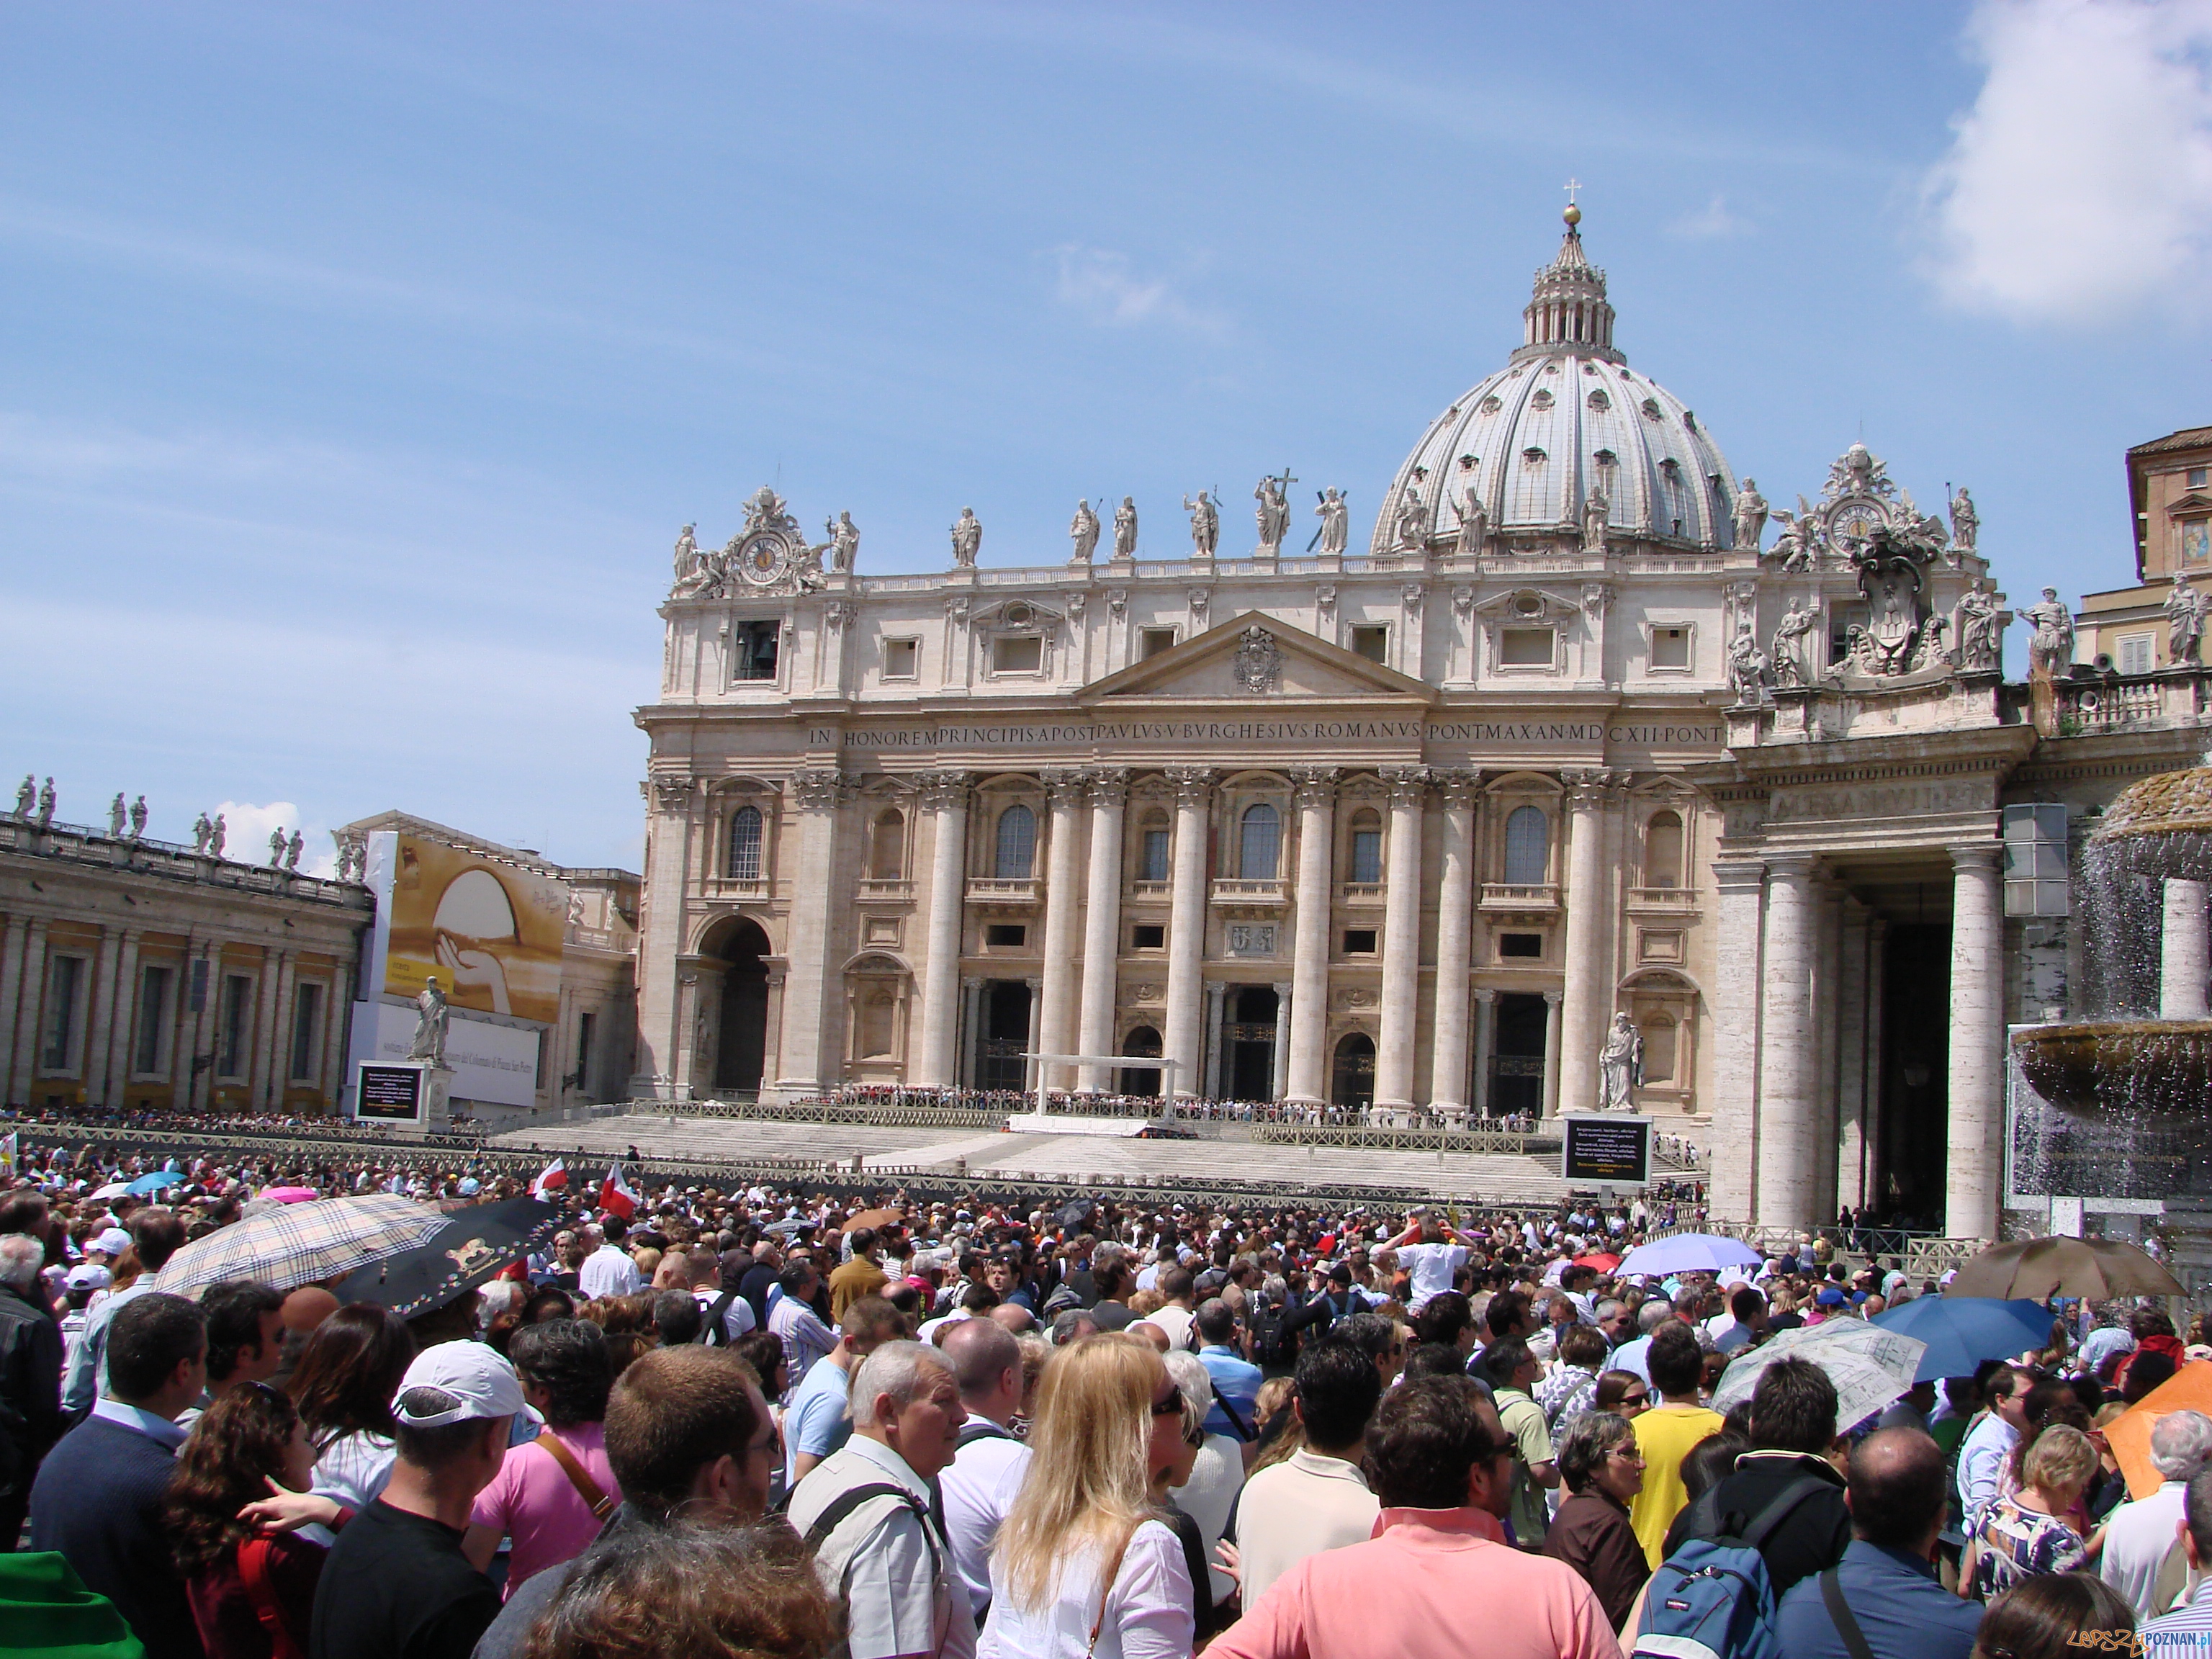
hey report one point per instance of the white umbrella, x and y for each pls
(1870, 1366)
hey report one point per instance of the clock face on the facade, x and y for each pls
(761, 558)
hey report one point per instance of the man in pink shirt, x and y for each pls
(1443, 1467)
(552, 1494)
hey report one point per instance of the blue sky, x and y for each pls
(363, 363)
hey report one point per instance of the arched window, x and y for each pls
(887, 856)
(1152, 853)
(746, 844)
(1016, 855)
(1261, 842)
(1366, 847)
(1663, 850)
(1527, 847)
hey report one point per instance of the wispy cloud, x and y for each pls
(1101, 285)
(2081, 181)
(1715, 222)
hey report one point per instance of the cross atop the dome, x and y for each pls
(1570, 187)
(1573, 215)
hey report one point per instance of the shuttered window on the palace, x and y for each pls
(1527, 847)
(1017, 844)
(1153, 864)
(746, 844)
(1260, 843)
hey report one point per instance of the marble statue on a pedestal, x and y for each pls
(1619, 1066)
(429, 1024)
(1082, 531)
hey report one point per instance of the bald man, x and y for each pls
(980, 1483)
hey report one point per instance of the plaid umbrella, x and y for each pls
(1870, 1366)
(473, 1243)
(301, 1243)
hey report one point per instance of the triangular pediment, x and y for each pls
(2195, 501)
(1220, 665)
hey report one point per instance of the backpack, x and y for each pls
(1268, 1345)
(1711, 1598)
(714, 1329)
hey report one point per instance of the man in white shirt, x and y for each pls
(806, 1339)
(1316, 1499)
(1179, 1287)
(2139, 1535)
(1990, 1442)
(609, 1271)
(702, 1274)
(985, 1474)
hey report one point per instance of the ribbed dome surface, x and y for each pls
(1564, 414)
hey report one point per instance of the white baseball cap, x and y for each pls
(481, 1382)
(89, 1277)
(114, 1242)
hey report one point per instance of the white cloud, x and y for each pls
(1714, 221)
(1100, 284)
(246, 828)
(2080, 180)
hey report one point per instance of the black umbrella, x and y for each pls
(475, 1243)
(1075, 1214)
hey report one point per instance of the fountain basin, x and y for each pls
(2149, 1068)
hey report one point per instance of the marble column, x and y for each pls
(1733, 1009)
(971, 1033)
(1852, 1060)
(1786, 1059)
(30, 990)
(1056, 1017)
(1401, 940)
(945, 795)
(92, 1063)
(1485, 1037)
(1589, 988)
(1448, 1078)
(1975, 1143)
(1101, 921)
(1036, 1027)
(1183, 1039)
(1827, 1048)
(1281, 1082)
(1553, 1000)
(338, 1014)
(199, 1081)
(280, 1033)
(1215, 1068)
(1877, 979)
(1307, 1076)
(800, 1070)
(262, 1066)
(697, 1047)
(12, 931)
(671, 870)
(123, 1027)
(2183, 961)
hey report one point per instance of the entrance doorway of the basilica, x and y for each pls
(743, 1040)
(1143, 1043)
(1516, 1061)
(1352, 1088)
(1247, 1042)
(1005, 1036)
(1911, 1149)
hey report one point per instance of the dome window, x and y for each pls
(1690, 419)
(1672, 469)
(1607, 461)
(1533, 456)
(1599, 403)
(1542, 400)
(1468, 462)
(1652, 412)
(1491, 405)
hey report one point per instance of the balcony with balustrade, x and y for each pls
(1238, 896)
(1521, 897)
(1003, 893)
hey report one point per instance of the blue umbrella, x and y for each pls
(1689, 1253)
(1962, 1331)
(154, 1182)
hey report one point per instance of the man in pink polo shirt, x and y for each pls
(552, 1494)
(1443, 1467)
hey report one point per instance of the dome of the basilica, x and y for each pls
(1564, 416)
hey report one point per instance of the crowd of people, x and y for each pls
(766, 1421)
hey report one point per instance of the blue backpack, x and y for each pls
(1711, 1598)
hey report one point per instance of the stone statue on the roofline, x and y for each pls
(1083, 531)
(1205, 525)
(138, 817)
(1335, 521)
(1125, 528)
(117, 815)
(1751, 512)
(1621, 1066)
(966, 538)
(218, 833)
(27, 796)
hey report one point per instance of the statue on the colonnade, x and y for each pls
(1619, 1066)
(218, 832)
(966, 538)
(2050, 648)
(46, 803)
(1082, 531)
(2185, 621)
(1751, 514)
(276, 847)
(430, 1018)
(1274, 509)
(27, 796)
(1335, 522)
(844, 544)
(138, 818)
(1792, 663)
(293, 849)
(1125, 529)
(117, 815)
(1205, 525)
(202, 830)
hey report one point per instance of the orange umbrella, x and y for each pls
(2189, 1390)
(878, 1218)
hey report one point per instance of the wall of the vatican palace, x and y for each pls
(135, 972)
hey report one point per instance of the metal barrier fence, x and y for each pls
(1404, 1141)
(889, 1115)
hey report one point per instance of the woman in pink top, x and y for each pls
(552, 1495)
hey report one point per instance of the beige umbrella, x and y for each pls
(874, 1219)
(2040, 1267)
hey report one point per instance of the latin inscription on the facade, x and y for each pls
(1246, 732)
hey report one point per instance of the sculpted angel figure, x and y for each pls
(966, 538)
(1082, 531)
(1798, 543)
(1474, 524)
(1619, 1066)
(1205, 525)
(1751, 514)
(2185, 621)
(844, 542)
(1791, 666)
(1335, 521)
(1125, 529)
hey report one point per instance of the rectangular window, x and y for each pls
(1153, 641)
(65, 981)
(2196, 477)
(306, 1021)
(237, 1017)
(1670, 647)
(1842, 618)
(901, 659)
(1525, 647)
(1148, 936)
(1520, 945)
(2197, 542)
(1367, 855)
(1359, 941)
(753, 650)
(584, 1022)
(2135, 653)
(1017, 653)
(153, 1011)
(1371, 640)
(1153, 864)
(1005, 935)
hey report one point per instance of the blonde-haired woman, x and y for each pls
(1083, 1564)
